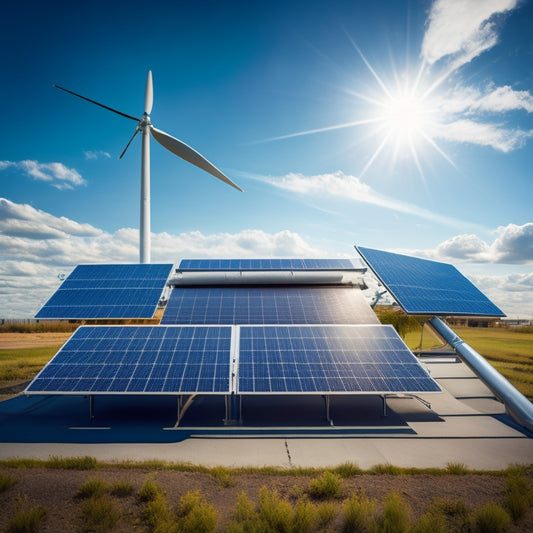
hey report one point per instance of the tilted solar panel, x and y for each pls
(267, 305)
(360, 359)
(139, 360)
(108, 291)
(264, 264)
(421, 286)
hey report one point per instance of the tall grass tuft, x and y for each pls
(159, 518)
(328, 486)
(26, 519)
(456, 469)
(6, 482)
(223, 476)
(492, 518)
(72, 463)
(348, 469)
(121, 489)
(275, 513)
(99, 514)
(518, 496)
(387, 469)
(359, 515)
(92, 487)
(304, 517)
(396, 514)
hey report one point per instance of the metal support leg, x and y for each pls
(384, 398)
(91, 407)
(327, 404)
(233, 405)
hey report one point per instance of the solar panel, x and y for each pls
(425, 287)
(265, 264)
(335, 359)
(267, 305)
(139, 359)
(108, 291)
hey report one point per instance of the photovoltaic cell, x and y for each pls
(427, 287)
(267, 305)
(108, 291)
(139, 360)
(264, 264)
(360, 359)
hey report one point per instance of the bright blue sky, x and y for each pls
(437, 164)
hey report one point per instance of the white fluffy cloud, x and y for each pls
(462, 29)
(344, 186)
(513, 245)
(35, 247)
(56, 174)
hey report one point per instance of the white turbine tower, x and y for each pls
(172, 144)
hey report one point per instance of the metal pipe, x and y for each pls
(516, 404)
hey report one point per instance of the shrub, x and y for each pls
(149, 490)
(431, 523)
(195, 515)
(328, 486)
(304, 517)
(359, 515)
(159, 518)
(326, 514)
(492, 518)
(396, 514)
(245, 517)
(26, 519)
(518, 496)
(6, 482)
(99, 514)
(275, 513)
(92, 487)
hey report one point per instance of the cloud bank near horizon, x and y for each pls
(35, 247)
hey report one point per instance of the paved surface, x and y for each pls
(464, 425)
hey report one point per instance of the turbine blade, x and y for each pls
(97, 103)
(184, 151)
(148, 94)
(137, 129)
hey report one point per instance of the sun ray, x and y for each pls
(374, 155)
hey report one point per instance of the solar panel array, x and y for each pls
(199, 359)
(139, 359)
(267, 305)
(369, 359)
(265, 264)
(108, 291)
(424, 287)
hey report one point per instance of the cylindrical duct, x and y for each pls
(517, 405)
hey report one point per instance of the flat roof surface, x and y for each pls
(464, 425)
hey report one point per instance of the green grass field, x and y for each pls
(510, 351)
(17, 365)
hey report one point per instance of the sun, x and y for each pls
(405, 115)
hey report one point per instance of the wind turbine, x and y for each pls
(172, 144)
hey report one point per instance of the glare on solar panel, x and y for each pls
(140, 360)
(328, 359)
(267, 305)
(421, 286)
(108, 291)
(264, 264)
